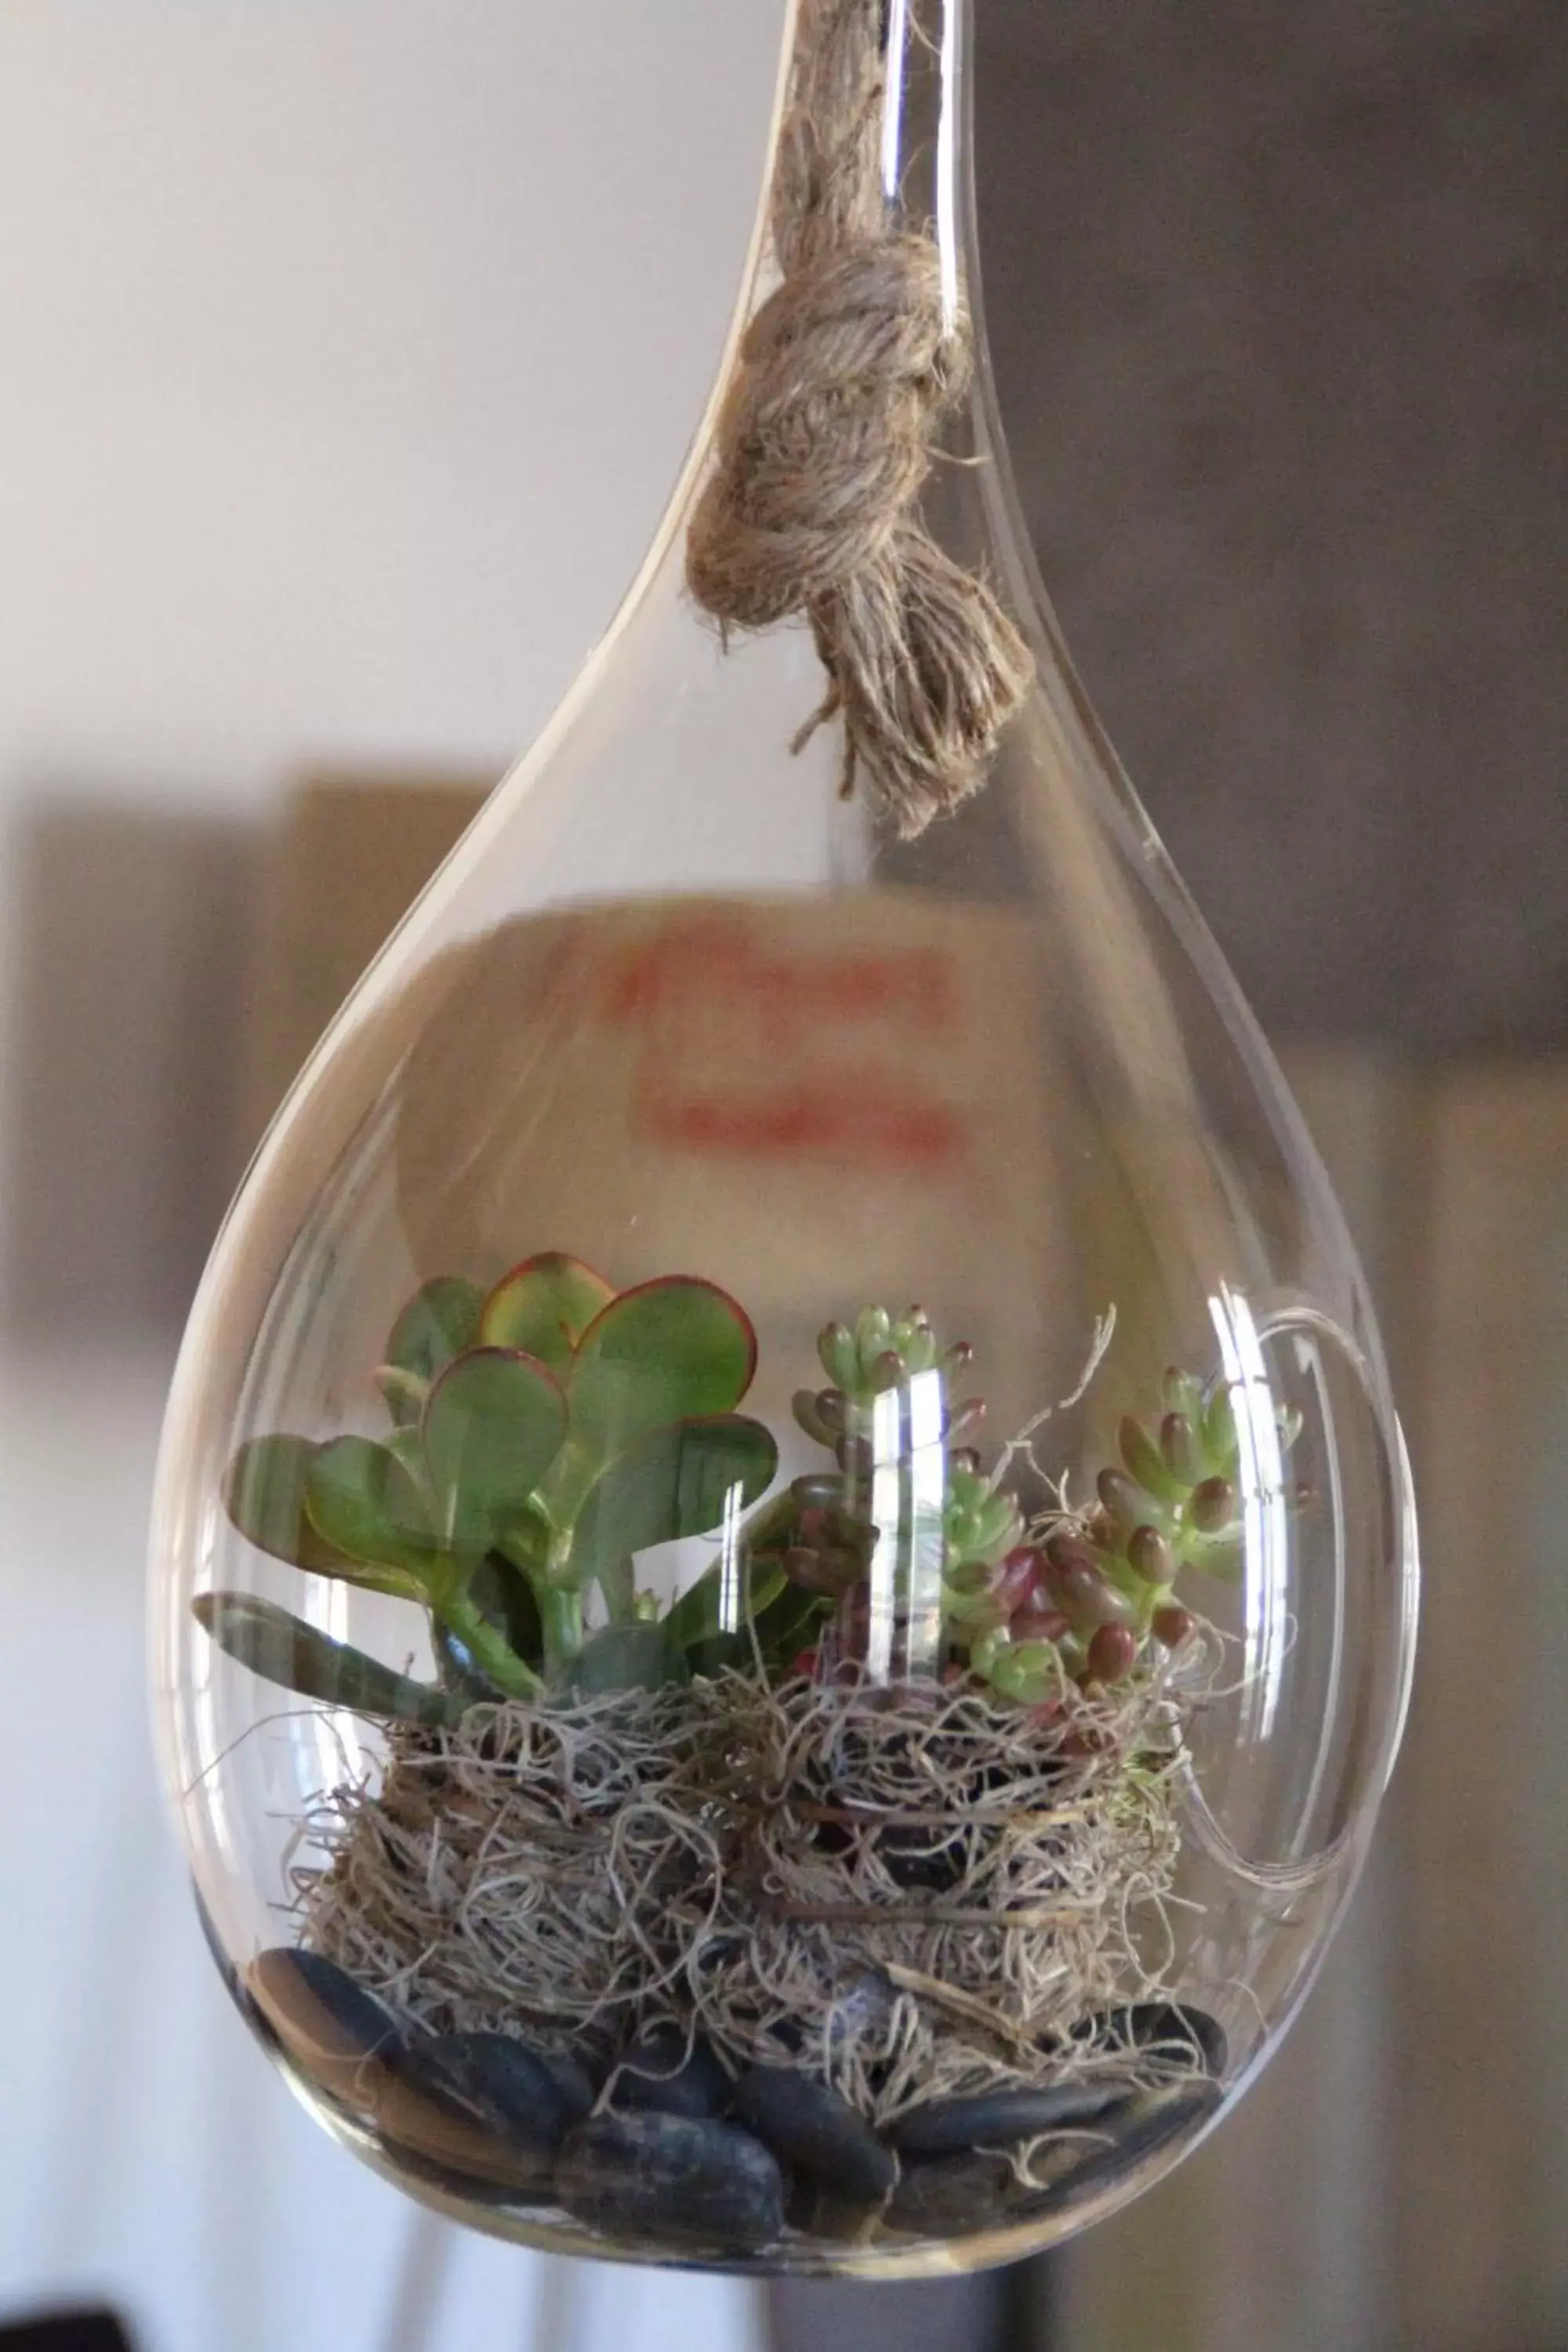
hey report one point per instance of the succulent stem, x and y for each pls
(561, 1614)
(490, 1649)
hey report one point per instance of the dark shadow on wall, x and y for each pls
(68, 2331)
(133, 933)
(1279, 306)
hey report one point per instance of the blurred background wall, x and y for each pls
(346, 356)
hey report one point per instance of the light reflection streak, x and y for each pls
(893, 113)
(887, 1518)
(909, 1485)
(730, 1562)
(1265, 1568)
(946, 161)
(928, 1493)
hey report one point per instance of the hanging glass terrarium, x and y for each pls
(784, 1581)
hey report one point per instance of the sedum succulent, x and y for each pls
(1091, 1600)
(1096, 1597)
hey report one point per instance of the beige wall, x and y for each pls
(347, 356)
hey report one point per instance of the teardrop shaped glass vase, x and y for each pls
(784, 1581)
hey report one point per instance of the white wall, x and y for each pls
(348, 350)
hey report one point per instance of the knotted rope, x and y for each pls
(824, 441)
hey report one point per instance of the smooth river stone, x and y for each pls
(1152, 2123)
(479, 2104)
(679, 2180)
(1171, 2032)
(659, 2075)
(819, 2212)
(815, 2132)
(1002, 2118)
(472, 2188)
(576, 2085)
(339, 2033)
(950, 2195)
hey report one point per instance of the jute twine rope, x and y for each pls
(826, 441)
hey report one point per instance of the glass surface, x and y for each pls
(665, 1773)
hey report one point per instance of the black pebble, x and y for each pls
(576, 2085)
(659, 2075)
(1151, 2122)
(814, 2131)
(1001, 2119)
(481, 2103)
(819, 2213)
(475, 2188)
(339, 2032)
(677, 2179)
(950, 2195)
(1171, 2032)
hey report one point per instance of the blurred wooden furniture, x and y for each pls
(1399, 2179)
(350, 858)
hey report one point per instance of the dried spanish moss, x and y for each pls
(909, 1892)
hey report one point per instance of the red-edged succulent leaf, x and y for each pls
(668, 1350)
(543, 1307)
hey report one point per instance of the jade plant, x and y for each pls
(540, 1435)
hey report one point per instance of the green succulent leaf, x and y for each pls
(404, 1394)
(626, 1657)
(697, 1619)
(1028, 1672)
(668, 1350)
(543, 1307)
(409, 1448)
(678, 1481)
(363, 1502)
(1145, 1464)
(1183, 1394)
(873, 1331)
(1223, 1555)
(283, 1649)
(440, 1322)
(840, 1357)
(264, 1494)
(493, 1424)
(1219, 1429)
